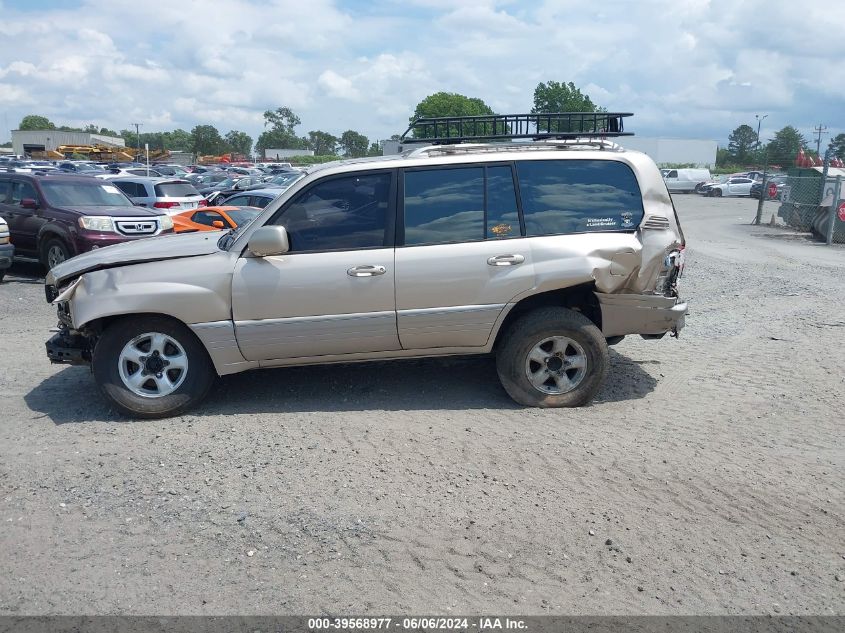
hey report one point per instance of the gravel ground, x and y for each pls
(707, 478)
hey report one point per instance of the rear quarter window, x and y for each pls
(176, 190)
(578, 196)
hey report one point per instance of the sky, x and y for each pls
(685, 68)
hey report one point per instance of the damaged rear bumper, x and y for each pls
(649, 315)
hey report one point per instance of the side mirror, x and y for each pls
(29, 203)
(218, 224)
(269, 240)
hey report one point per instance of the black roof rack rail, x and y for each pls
(535, 126)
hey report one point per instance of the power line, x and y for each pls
(820, 129)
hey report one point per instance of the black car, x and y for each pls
(779, 180)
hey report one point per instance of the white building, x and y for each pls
(276, 154)
(684, 151)
(26, 141)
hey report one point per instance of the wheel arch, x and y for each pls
(580, 298)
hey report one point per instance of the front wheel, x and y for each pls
(552, 357)
(54, 252)
(151, 367)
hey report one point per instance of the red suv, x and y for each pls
(54, 217)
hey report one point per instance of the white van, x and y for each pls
(685, 180)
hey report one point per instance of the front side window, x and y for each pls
(5, 190)
(21, 191)
(578, 196)
(339, 214)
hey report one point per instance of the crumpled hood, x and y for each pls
(151, 249)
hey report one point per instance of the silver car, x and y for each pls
(174, 195)
(540, 253)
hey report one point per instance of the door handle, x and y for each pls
(366, 271)
(506, 260)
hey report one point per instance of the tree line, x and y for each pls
(280, 131)
(280, 126)
(745, 147)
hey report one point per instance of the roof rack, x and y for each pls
(536, 126)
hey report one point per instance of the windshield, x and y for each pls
(70, 194)
(227, 184)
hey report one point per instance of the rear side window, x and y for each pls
(176, 190)
(449, 205)
(5, 189)
(578, 196)
(260, 201)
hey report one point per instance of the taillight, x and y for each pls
(165, 205)
(202, 203)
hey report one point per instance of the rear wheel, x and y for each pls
(552, 357)
(54, 252)
(151, 367)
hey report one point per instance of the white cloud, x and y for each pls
(685, 67)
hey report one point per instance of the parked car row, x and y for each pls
(53, 217)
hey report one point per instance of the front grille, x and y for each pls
(656, 223)
(137, 226)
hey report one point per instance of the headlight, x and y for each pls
(103, 224)
(166, 222)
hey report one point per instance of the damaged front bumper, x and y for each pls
(69, 348)
(651, 316)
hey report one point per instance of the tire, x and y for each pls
(717, 193)
(556, 326)
(2, 274)
(53, 252)
(128, 337)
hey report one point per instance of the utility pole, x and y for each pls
(759, 122)
(137, 139)
(820, 129)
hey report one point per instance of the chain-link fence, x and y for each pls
(809, 202)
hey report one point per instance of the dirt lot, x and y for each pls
(707, 478)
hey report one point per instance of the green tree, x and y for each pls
(785, 145)
(375, 149)
(837, 144)
(239, 142)
(177, 140)
(205, 139)
(281, 135)
(107, 132)
(554, 96)
(741, 143)
(323, 143)
(353, 144)
(442, 104)
(36, 122)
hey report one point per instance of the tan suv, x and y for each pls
(542, 252)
